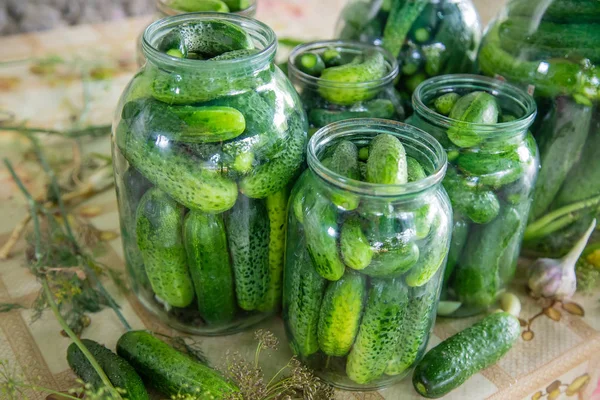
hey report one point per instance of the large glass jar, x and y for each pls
(429, 37)
(167, 8)
(491, 174)
(363, 85)
(551, 47)
(364, 261)
(204, 152)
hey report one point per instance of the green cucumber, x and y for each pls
(416, 324)
(444, 103)
(237, 5)
(432, 257)
(199, 5)
(340, 314)
(373, 68)
(302, 296)
(563, 11)
(460, 40)
(311, 64)
(248, 237)
(379, 330)
(354, 245)
(276, 209)
(460, 232)
(414, 170)
(171, 170)
(159, 224)
(208, 124)
(274, 175)
(170, 371)
(401, 18)
(393, 260)
(234, 55)
(481, 206)
(344, 161)
(332, 57)
(491, 169)
(376, 108)
(477, 280)
(456, 359)
(473, 108)
(302, 195)
(119, 372)
(387, 161)
(208, 259)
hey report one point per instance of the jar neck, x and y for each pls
(165, 8)
(343, 47)
(511, 100)
(263, 37)
(417, 143)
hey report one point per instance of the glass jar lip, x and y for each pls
(164, 24)
(442, 82)
(164, 7)
(375, 126)
(349, 44)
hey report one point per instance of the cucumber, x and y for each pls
(311, 64)
(401, 18)
(444, 103)
(159, 224)
(302, 296)
(170, 371)
(379, 330)
(564, 140)
(431, 257)
(237, 5)
(302, 195)
(274, 175)
(459, 39)
(452, 362)
(373, 68)
(119, 372)
(171, 170)
(387, 161)
(276, 209)
(563, 11)
(208, 259)
(491, 169)
(248, 236)
(344, 161)
(393, 260)
(480, 205)
(460, 232)
(234, 55)
(199, 5)
(208, 124)
(340, 314)
(477, 279)
(321, 231)
(416, 324)
(473, 108)
(376, 108)
(414, 170)
(354, 245)
(332, 57)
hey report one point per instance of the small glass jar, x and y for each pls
(490, 181)
(327, 101)
(203, 154)
(429, 38)
(550, 48)
(168, 8)
(364, 261)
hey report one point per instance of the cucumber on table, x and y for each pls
(170, 371)
(119, 372)
(379, 330)
(159, 225)
(452, 362)
(340, 314)
(208, 259)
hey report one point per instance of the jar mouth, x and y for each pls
(414, 140)
(263, 37)
(436, 86)
(344, 46)
(164, 7)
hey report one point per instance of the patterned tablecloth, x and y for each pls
(563, 350)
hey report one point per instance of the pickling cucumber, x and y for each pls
(414, 170)
(456, 359)
(237, 5)
(387, 161)
(344, 161)
(208, 260)
(376, 108)
(159, 224)
(234, 54)
(354, 245)
(460, 232)
(340, 314)
(207, 124)
(119, 372)
(564, 11)
(248, 236)
(379, 330)
(480, 205)
(431, 258)
(311, 64)
(392, 259)
(444, 103)
(170, 371)
(199, 5)
(491, 169)
(401, 18)
(473, 108)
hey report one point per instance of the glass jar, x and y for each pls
(327, 101)
(491, 174)
(429, 37)
(168, 8)
(551, 48)
(364, 261)
(204, 152)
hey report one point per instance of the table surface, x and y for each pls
(561, 350)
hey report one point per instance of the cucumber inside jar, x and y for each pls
(362, 282)
(210, 148)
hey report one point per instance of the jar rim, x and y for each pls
(295, 72)
(372, 127)
(259, 30)
(447, 84)
(164, 7)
